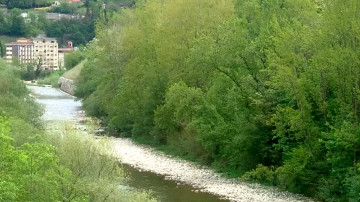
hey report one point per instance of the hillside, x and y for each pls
(74, 73)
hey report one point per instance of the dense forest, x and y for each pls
(78, 30)
(47, 166)
(12, 24)
(23, 4)
(266, 90)
(26, 4)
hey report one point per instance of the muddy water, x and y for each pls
(60, 106)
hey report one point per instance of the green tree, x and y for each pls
(17, 27)
(2, 49)
(74, 58)
(270, 87)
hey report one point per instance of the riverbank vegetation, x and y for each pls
(39, 166)
(51, 79)
(267, 90)
(73, 66)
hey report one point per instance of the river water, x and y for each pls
(63, 107)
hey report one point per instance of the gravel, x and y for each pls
(145, 158)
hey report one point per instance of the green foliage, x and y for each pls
(74, 58)
(28, 172)
(80, 31)
(51, 79)
(67, 8)
(77, 169)
(181, 105)
(35, 166)
(14, 100)
(266, 88)
(2, 49)
(17, 27)
(173, 121)
(13, 24)
(96, 175)
(27, 4)
(261, 174)
(77, 30)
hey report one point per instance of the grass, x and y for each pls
(74, 73)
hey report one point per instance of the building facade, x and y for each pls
(46, 53)
(63, 52)
(41, 51)
(23, 49)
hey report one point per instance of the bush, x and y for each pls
(52, 79)
(67, 8)
(97, 174)
(262, 174)
(74, 58)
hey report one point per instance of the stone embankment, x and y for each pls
(145, 158)
(67, 85)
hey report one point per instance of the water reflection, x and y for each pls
(167, 190)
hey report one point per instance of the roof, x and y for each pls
(19, 43)
(23, 40)
(43, 38)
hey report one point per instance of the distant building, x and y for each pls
(23, 49)
(41, 51)
(26, 17)
(59, 16)
(46, 53)
(63, 52)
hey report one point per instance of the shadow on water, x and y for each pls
(166, 190)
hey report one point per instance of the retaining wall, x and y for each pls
(67, 85)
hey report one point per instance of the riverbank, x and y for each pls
(206, 180)
(201, 178)
(59, 107)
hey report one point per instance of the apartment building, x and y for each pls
(41, 51)
(46, 53)
(23, 49)
(63, 52)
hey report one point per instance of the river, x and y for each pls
(169, 179)
(61, 106)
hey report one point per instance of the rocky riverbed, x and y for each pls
(204, 179)
(62, 107)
